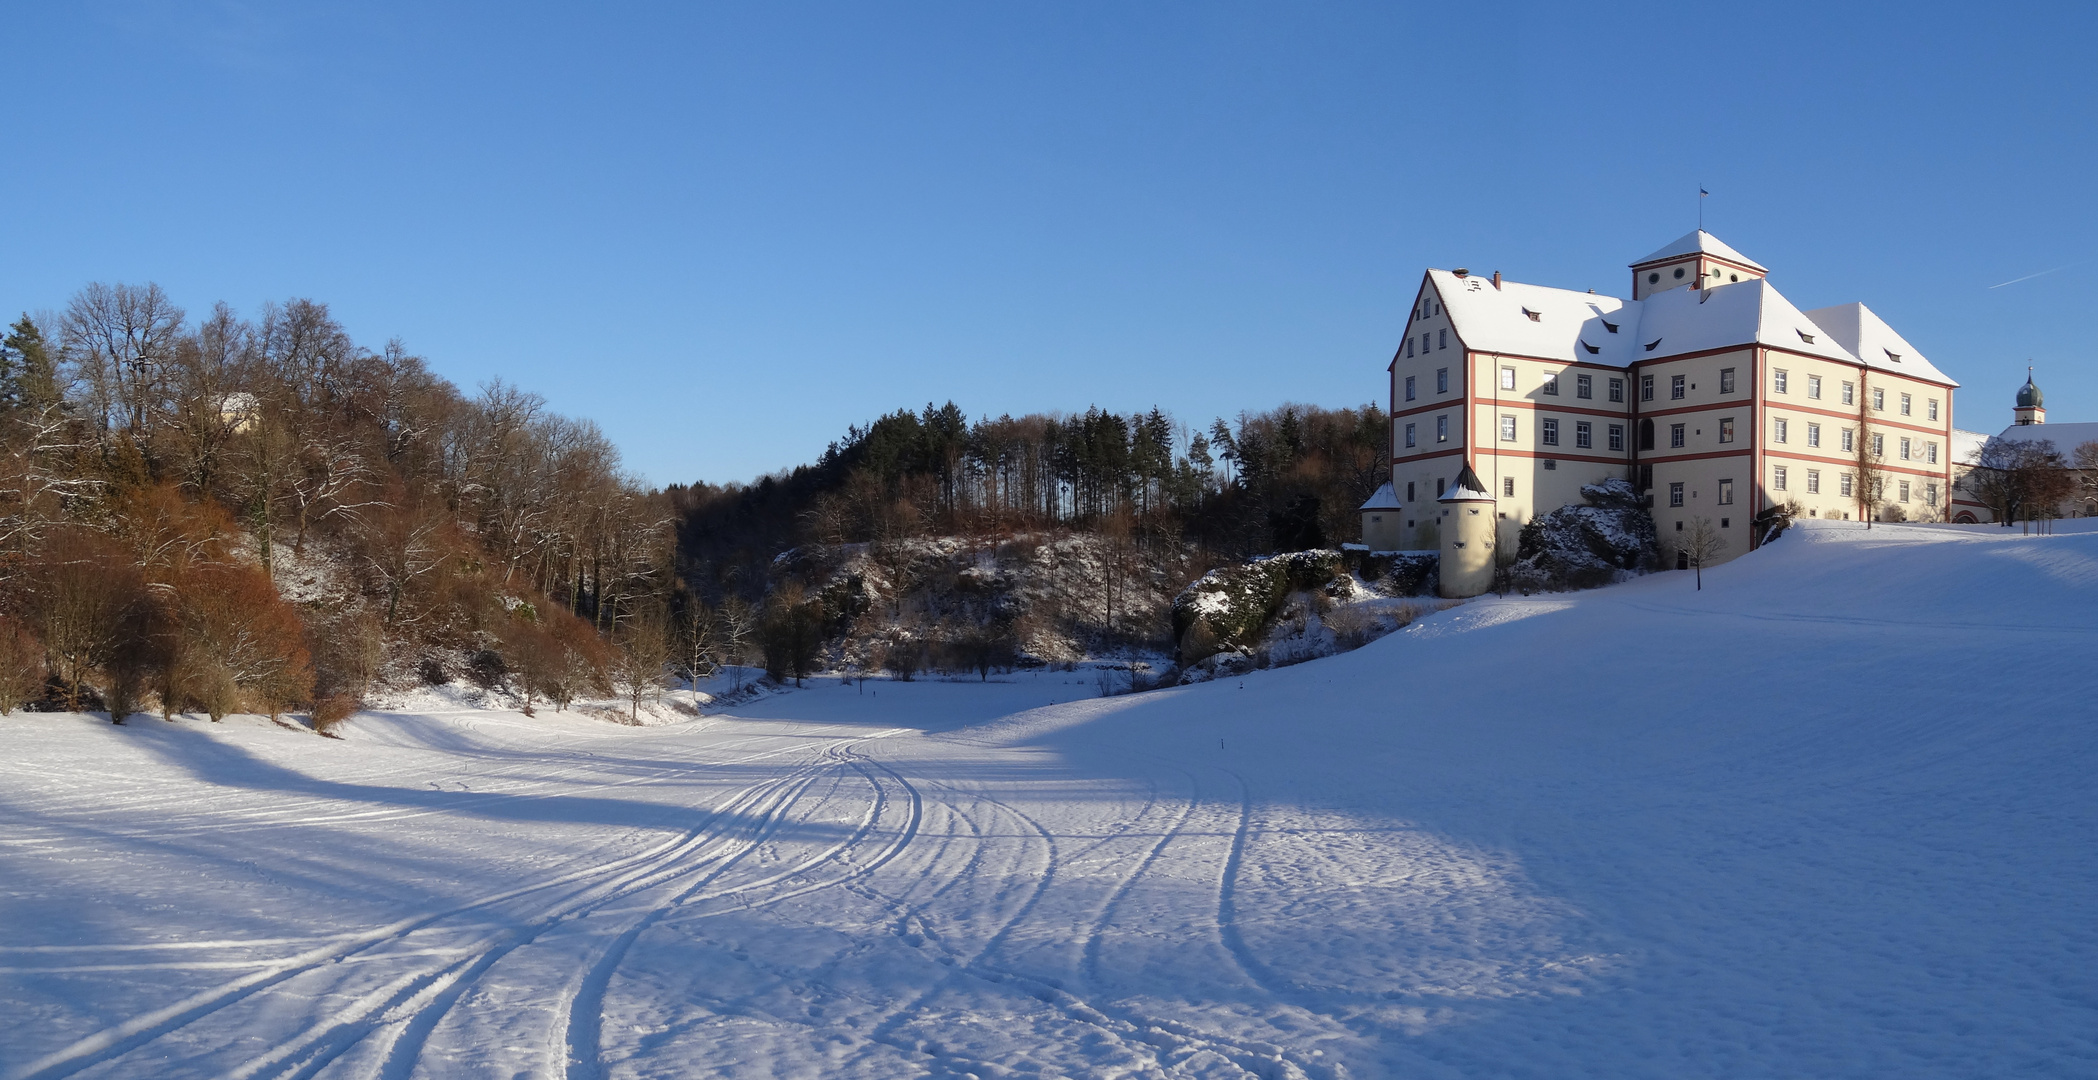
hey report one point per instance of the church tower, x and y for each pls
(1698, 259)
(2029, 410)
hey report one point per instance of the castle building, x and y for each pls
(1708, 390)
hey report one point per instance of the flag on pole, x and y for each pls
(1701, 193)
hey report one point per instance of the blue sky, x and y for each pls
(726, 231)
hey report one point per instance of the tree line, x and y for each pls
(1285, 479)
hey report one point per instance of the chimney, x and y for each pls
(1496, 279)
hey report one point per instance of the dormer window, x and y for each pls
(1531, 314)
(1592, 350)
(1608, 325)
(1651, 345)
(1893, 356)
(1804, 336)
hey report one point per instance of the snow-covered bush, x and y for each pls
(1581, 547)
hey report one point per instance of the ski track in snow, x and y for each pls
(1489, 845)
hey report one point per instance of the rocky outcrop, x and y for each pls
(1581, 547)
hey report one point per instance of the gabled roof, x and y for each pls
(1384, 498)
(1468, 488)
(1697, 242)
(1870, 339)
(1536, 320)
(1750, 312)
(2066, 437)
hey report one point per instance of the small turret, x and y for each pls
(1468, 533)
(2030, 408)
(1380, 519)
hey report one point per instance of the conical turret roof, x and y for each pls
(1468, 488)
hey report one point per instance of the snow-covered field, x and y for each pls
(1836, 815)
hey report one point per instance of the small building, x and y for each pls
(1381, 517)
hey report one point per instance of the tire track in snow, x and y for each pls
(125, 1037)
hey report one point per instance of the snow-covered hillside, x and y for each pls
(1832, 816)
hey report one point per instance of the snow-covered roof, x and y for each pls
(1537, 320)
(1561, 324)
(2066, 437)
(1384, 498)
(1468, 488)
(1700, 241)
(1739, 313)
(1870, 339)
(1966, 446)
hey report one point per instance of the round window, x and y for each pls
(1652, 278)
(1678, 272)
(1733, 277)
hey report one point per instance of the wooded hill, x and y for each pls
(257, 512)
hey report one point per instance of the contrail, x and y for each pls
(2029, 277)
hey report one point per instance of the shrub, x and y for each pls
(238, 642)
(22, 671)
(92, 604)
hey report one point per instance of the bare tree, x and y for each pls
(1869, 487)
(2021, 479)
(644, 650)
(2086, 461)
(120, 339)
(1702, 544)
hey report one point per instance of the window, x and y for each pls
(1905, 449)
(1726, 493)
(1442, 339)
(1813, 434)
(1409, 387)
(1584, 434)
(1778, 427)
(1424, 342)
(1777, 380)
(1442, 380)
(1879, 399)
(1442, 429)
(1617, 436)
(1905, 405)
(1646, 434)
(1930, 452)
(1409, 491)
(1508, 486)
(1507, 428)
(1934, 408)
(1726, 380)
(1930, 494)
(1409, 434)
(1507, 378)
(1551, 384)
(1646, 388)
(1551, 432)
(1584, 386)
(1843, 485)
(1904, 491)
(1675, 436)
(1726, 429)
(1439, 482)
(1616, 389)
(1813, 481)
(1849, 440)
(1675, 493)
(1848, 398)
(1879, 445)
(1777, 478)
(1409, 345)
(1675, 388)
(1814, 387)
